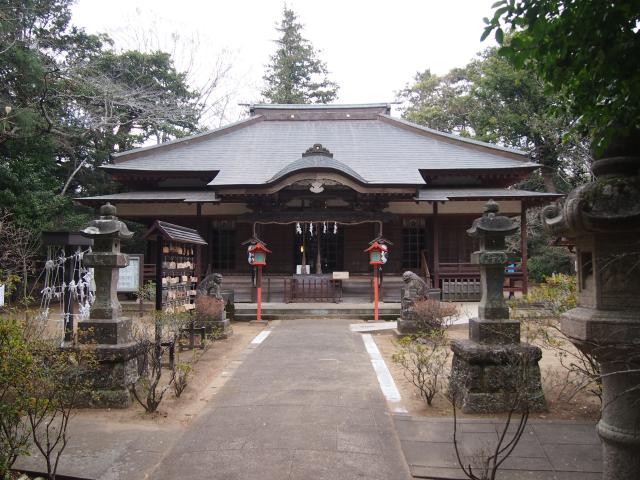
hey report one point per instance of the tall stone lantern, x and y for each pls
(604, 219)
(492, 371)
(106, 332)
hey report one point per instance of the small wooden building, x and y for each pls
(318, 182)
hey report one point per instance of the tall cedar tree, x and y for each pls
(295, 74)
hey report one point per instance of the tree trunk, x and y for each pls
(547, 179)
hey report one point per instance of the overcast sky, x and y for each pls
(372, 48)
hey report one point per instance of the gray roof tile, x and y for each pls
(445, 194)
(381, 151)
(157, 196)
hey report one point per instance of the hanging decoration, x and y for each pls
(298, 228)
(311, 229)
(324, 227)
(78, 291)
(335, 228)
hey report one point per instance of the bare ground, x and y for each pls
(202, 386)
(584, 406)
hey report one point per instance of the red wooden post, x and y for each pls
(375, 292)
(375, 258)
(258, 258)
(259, 294)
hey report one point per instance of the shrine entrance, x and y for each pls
(321, 249)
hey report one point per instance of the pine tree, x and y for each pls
(295, 74)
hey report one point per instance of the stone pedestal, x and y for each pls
(493, 371)
(106, 333)
(210, 303)
(604, 219)
(210, 313)
(489, 378)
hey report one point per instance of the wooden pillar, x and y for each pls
(318, 255)
(436, 248)
(523, 247)
(199, 250)
(159, 273)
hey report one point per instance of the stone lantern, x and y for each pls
(493, 369)
(106, 332)
(603, 217)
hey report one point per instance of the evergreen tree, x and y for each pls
(295, 74)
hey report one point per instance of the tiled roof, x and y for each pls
(187, 196)
(316, 162)
(445, 194)
(379, 149)
(175, 233)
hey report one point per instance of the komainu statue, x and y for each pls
(415, 289)
(211, 286)
(210, 306)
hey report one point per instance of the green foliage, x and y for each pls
(585, 50)
(557, 293)
(295, 74)
(16, 362)
(492, 101)
(39, 386)
(549, 261)
(67, 102)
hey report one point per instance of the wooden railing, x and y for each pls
(312, 290)
(461, 281)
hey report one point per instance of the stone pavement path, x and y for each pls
(547, 450)
(304, 405)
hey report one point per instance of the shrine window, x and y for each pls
(413, 241)
(223, 245)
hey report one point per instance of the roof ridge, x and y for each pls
(454, 137)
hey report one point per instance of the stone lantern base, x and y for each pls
(488, 378)
(118, 362)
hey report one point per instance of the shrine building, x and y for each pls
(317, 183)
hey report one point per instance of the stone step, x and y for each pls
(246, 317)
(318, 311)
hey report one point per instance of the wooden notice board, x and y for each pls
(130, 278)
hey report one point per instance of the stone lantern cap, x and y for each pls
(107, 225)
(492, 224)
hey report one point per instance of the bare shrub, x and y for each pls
(153, 342)
(434, 314)
(424, 360)
(558, 295)
(180, 373)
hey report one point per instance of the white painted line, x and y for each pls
(368, 327)
(387, 385)
(260, 337)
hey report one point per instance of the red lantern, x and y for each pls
(375, 253)
(259, 254)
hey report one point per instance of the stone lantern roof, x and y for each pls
(492, 224)
(107, 225)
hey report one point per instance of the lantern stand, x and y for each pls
(375, 258)
(258, 258)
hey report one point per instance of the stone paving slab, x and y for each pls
(304, 405)
(549, 451)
